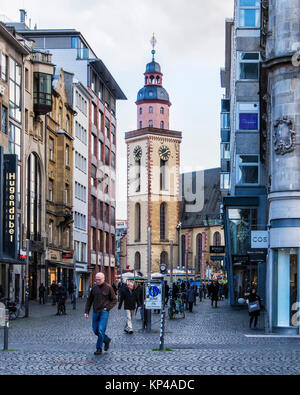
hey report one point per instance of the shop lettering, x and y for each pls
(260, 239)
(11, 213)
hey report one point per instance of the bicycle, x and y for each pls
(177, 307)
(61, 308)
(15, 309)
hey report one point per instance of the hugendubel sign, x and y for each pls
(10, 196)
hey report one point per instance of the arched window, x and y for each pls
(217, 239)
(163, 175)
(162, 125)
(150, 110)
(141, 110)
(162, 110)
(151, 79)
(137, 261)
(199, 251)
(150, 124)
(164, 258)
(138, 222)
(34, 205)
(141, 124)
(163, 221)
(157, 80)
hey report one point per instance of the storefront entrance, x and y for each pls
(285, 288)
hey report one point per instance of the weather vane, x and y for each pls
(153, 43)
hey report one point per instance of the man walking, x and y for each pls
(42, 291)
(61, 296)
(190, 294)
(103, 299)
(214, 294)
(130, 298)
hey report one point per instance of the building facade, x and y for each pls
(71, 51)
(81, 99)
(13, 57)
(201, 244)
(281, 126)
(153, 162)
(243, 167)
(59, 217)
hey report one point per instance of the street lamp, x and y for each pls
(179, 243)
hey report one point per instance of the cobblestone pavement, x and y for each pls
(208, 341)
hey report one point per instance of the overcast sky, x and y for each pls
(190, 49)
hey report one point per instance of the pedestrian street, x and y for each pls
(209, 341)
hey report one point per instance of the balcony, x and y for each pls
(42, 93)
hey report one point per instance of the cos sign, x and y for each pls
(259, 239)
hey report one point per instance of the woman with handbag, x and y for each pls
(254, 307)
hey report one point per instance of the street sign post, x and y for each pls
(162, 320)
(2, 314)
(154, 300)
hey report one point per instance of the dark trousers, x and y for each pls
(255, 319)
(214, 300)
(42, 299)
(61, 304)
(191, 307)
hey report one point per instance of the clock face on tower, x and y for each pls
(164, 153)
(137, 153)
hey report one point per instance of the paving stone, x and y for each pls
(208, 341)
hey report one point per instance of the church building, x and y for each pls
(153, 180)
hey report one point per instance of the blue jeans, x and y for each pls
(99, 327)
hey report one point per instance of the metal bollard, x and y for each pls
(162, 331)
(6, 326)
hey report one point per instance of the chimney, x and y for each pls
(23, 14)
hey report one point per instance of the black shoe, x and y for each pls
(106, 345)
(98, 352)
(130, 332)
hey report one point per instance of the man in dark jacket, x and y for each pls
(103, 299)
(215, 293)
(42, 291)
(61, 296)
(190, 294)
(130, 298)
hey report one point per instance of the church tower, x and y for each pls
(153, 176)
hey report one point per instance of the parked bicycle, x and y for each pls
(15, 309)
(177, 307)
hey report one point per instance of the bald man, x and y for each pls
(103, 299)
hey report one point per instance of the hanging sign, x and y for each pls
(10, 197)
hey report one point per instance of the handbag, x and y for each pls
(254, 306)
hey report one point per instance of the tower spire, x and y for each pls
(153, 43)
